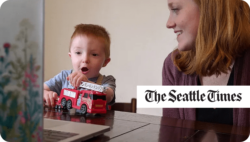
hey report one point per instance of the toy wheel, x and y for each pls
(67, 117)
(62, 117)
(83, 109)
(82, 119)
(63, 103)
(69, 104)
(59, 107)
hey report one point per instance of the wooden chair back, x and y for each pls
(128, 107)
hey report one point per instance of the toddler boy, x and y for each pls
(89, 52)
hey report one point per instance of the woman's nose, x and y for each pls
(170, 23)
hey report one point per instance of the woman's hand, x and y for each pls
(76, 78)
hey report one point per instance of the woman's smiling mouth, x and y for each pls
(178, 33)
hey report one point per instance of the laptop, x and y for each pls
(21, 79)
(65, 131)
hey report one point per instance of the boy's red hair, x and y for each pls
(95, 31)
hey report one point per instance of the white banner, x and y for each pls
(193, 96)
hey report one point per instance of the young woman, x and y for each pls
(213, 49)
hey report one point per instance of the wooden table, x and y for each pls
(132, 127)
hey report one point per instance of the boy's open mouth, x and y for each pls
(84, 69)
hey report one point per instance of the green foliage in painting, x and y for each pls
(20, 109)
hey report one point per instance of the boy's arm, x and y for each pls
(109, 82)
(109, 94)
(49, 96)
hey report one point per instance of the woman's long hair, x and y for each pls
(223, 34)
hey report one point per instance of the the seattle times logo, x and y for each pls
(193, 96)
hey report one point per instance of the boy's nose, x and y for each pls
(85, 59)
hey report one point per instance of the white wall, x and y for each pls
(140, 40)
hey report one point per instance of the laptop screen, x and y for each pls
(21, 70)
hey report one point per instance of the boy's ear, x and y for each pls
(106, 62)
(69, 54)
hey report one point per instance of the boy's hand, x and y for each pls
(50, 97)
(76, 78)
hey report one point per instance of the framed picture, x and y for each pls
(21, 70)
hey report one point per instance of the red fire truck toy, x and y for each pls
(91, 101)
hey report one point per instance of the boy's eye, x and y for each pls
(94, 54)
(78, 52)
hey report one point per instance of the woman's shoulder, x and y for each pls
(172, 76)
(168, 59)
(170, 73)
(169, 63)
(169, 66)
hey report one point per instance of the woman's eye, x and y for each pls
(175, 10)
(94, 54)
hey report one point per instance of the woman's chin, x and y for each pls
(184, 47)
